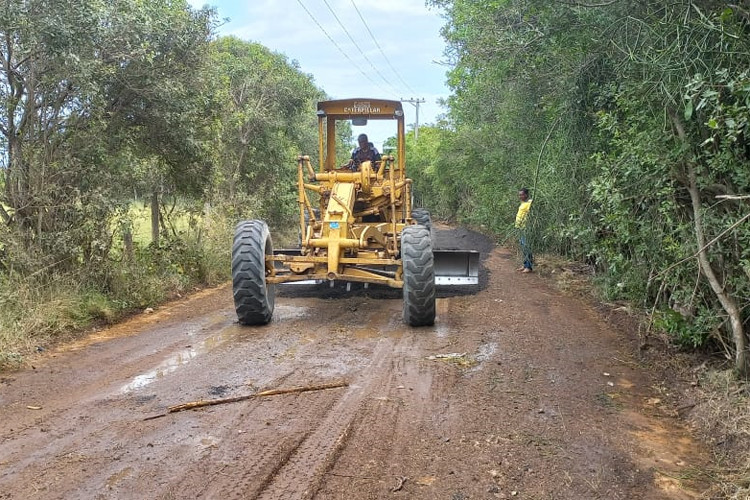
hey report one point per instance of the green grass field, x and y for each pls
(140, 217)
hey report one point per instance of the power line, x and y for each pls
(339, 48)
(358, 47)
(381, 49)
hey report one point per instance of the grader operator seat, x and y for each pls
(364, 152)
(355, 226)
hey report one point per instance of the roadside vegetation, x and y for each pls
(629, 122)
(133, 140)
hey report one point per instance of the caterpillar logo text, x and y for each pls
(361, 108)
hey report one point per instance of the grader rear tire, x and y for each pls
(419, 276)
(422, 216)
(254, 299)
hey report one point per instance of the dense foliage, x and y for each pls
(629, 121)
(107, 107)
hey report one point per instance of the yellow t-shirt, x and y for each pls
(523, 213)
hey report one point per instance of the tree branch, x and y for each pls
(705, 247)
(731, 197)
(5, 215)
(728, 303)
(541, 152)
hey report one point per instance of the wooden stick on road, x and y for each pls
(271, 392)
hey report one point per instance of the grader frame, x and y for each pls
(363, 228)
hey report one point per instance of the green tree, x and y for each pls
(674, 125)
(160, 102)
(629, 119)
(83, 88)
(267, 118)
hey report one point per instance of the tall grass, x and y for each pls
(43, 307)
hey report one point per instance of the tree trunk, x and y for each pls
(741, 357)
(127, 240)
(16, 182)
(155, 218)
(5, 215)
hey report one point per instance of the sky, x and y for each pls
(402, 59)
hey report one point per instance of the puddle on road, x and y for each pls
(442, 322)
(168, 366)
(183, 357)
(180, 358)
(366, 333)
(283, 312)
(344, 332)
(485, 352)
(290, 353)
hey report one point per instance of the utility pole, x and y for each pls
(415, 103)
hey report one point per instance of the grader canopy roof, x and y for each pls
(375, 109)
(358, 110)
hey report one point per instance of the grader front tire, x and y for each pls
(253, 298)
(418, 275)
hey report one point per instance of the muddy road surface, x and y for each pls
(518, 391)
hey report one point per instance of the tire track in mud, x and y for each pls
(303, 473)
(409, 400)
(256, 443)
(65, 416)
(250, 449)
(257, 473)
(374, 400)
(289, 443)
(394, 410)
(64, 429)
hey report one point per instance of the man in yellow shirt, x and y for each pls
(521, 220)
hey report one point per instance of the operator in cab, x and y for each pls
(364, 152)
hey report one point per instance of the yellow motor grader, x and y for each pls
(356, 225)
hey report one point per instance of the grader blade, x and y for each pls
(456, 267)
(452, 267)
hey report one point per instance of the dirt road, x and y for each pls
(518, 391)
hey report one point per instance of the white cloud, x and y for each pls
(406, 30)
